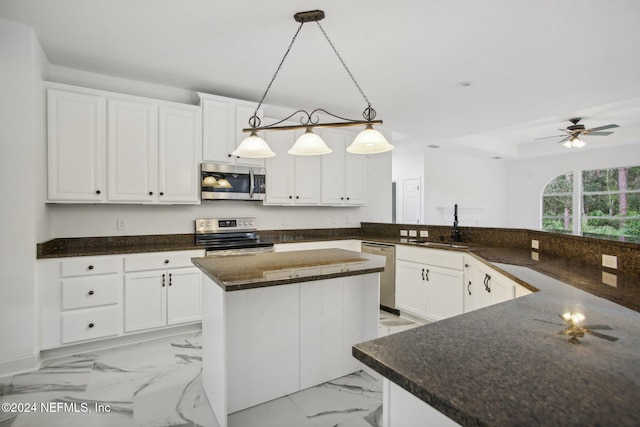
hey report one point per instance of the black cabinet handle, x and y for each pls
(487, 283)
(162, 193)
(166, 261)
(466, 266)
(163, 280)
(427, 275)
(423, 274)
(90, 292)
(348, 198)
(91, 325)
(97, 191)
(297, 197)
(341, 198)
(151, 193)
(90, 267)
(291, 197)
(169, 279)
(469, 287)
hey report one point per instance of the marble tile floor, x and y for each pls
(158, 383)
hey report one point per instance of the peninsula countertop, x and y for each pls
(510, 364)
(239, 272)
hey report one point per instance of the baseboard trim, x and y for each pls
(18, 365)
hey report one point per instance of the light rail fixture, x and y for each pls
(369, 141)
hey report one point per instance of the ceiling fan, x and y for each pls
(572, 133)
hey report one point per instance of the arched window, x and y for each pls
(557, 204)
(609, 201)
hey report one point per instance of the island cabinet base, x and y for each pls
(403, 409)
(264, 343)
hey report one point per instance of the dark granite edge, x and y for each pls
(418, 390)
(260, 283)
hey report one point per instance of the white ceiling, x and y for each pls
(534, 64)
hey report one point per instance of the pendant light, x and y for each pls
(369, 141)
(309, 144)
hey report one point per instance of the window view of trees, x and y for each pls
(610, 203)
(557, 204)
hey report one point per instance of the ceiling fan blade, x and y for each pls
(547, 137)
(599, 133)
(611, 126)
(564, 140)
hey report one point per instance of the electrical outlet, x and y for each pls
(403, 233)
(424, 233)
(413, 233)
(122, 224)
(535, 256)
(610, 261)
(535, 244)
(610, 279)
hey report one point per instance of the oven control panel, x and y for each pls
(223, 225)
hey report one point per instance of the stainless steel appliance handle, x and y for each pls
(251, 183)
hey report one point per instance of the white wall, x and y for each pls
(476, 184)
(101, 220)
(528, 177)
(22, 216)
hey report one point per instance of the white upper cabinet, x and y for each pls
(291, 180)
(76, 150)
(179, 154)
(132, 147)
(223, 121)
(113, 148)
(343, 173)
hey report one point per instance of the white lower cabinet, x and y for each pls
(403, 409)
(485, 286)
(429, 282)
(90, 298)
(159, 296)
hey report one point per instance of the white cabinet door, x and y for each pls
(180, 148)
(218, 137)
(145, 300)
(76, 150)
(444, 293)
(355, 176)
(411, 290)
(490, 287)
(333, 169)
(183, 295)
(132, 146)
(279, 169)
(307, 180)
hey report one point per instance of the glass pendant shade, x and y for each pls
(574, 142)
(309, 144)
(253, 147)
(369, 141)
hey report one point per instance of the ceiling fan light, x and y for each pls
(253, 147)
(309, 144)
(574, 142)
(369, 141)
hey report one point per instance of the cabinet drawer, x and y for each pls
(80, 292)
(160, 260)
(89, 266)
(434, 257)
(90, 324)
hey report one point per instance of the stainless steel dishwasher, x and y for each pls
(388, 276)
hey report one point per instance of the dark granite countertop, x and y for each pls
(239, 272)
(508, 364)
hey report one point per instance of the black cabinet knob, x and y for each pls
(166, 261)
(229, 155)
(348, 198)
(91, 325)
(90, 267)
(162, 193)
(291, 197)
(97, 191)
(341, 198)
(151, 193)
(466, 266)
(91, 292)
(297, 197)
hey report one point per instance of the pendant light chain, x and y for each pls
(369, 113)
(254, 121)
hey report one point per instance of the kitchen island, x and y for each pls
(275, 323)
(511, 364)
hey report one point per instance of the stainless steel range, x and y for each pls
(229, 236)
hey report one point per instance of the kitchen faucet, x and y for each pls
(455, 231)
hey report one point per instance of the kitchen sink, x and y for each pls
(453, 245)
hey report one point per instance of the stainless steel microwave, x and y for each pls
(228, 182)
